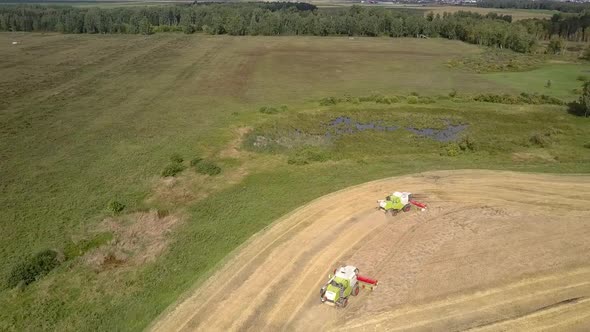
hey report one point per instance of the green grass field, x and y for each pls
(87, 119)
(563, 77)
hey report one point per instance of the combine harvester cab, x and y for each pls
(399, 201)
(345, 282)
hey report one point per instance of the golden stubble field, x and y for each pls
(494, 251)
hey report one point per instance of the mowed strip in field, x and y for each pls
(491, 251)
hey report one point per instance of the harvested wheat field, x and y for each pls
(494, 251)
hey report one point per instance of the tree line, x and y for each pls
(562, 6)
(572, 27)
(271, 19)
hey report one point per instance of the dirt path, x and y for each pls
(494, 251)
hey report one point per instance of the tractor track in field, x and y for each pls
(491, 253)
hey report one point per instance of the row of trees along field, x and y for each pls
(287, 19)
(572, 27)
(562, 6)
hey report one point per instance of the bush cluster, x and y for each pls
(541, 139)
(467, 143)
(412, 100)
(498, 60)
(523, 98)
(380, 99)
(452, 149)
(195, 161)
(176, 158)
(115, 206)
(272, 110)
(329, 101)
(545, 139)
(172, 169)
(33, 268)
(207, 167)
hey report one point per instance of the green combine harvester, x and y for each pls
(345, 282)
(399, 201)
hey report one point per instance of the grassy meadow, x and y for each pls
(88, 119)
(565, 79)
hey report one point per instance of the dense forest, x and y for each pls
(293, 19)
(566, 7)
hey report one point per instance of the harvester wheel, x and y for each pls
(355, 291)
(394, 212)
(407, 207)
(345, 303)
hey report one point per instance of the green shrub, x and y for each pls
(76, 249)
(467, 143)
(162, 213)
(328, 101)
(452, 150)
(412, 100)
(425, 100)
(540, 139)
(115, 206)
(383, 100)
(453, 93)
(414, 93)
(33, 268)
(268, 110)
(176, 158)
(188, 29)
(351, 99)
(208, 168)
(378, 98)
(172, 169)
(587, 145)
(523, 98)
(393, 99)
(582, 78)
(195, 161)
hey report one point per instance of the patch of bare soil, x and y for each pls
(138, 238)
(190, 186)
(233, 149)
(540, 155)
(178, 190)
(494, 251)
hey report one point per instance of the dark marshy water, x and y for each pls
(345, 125)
